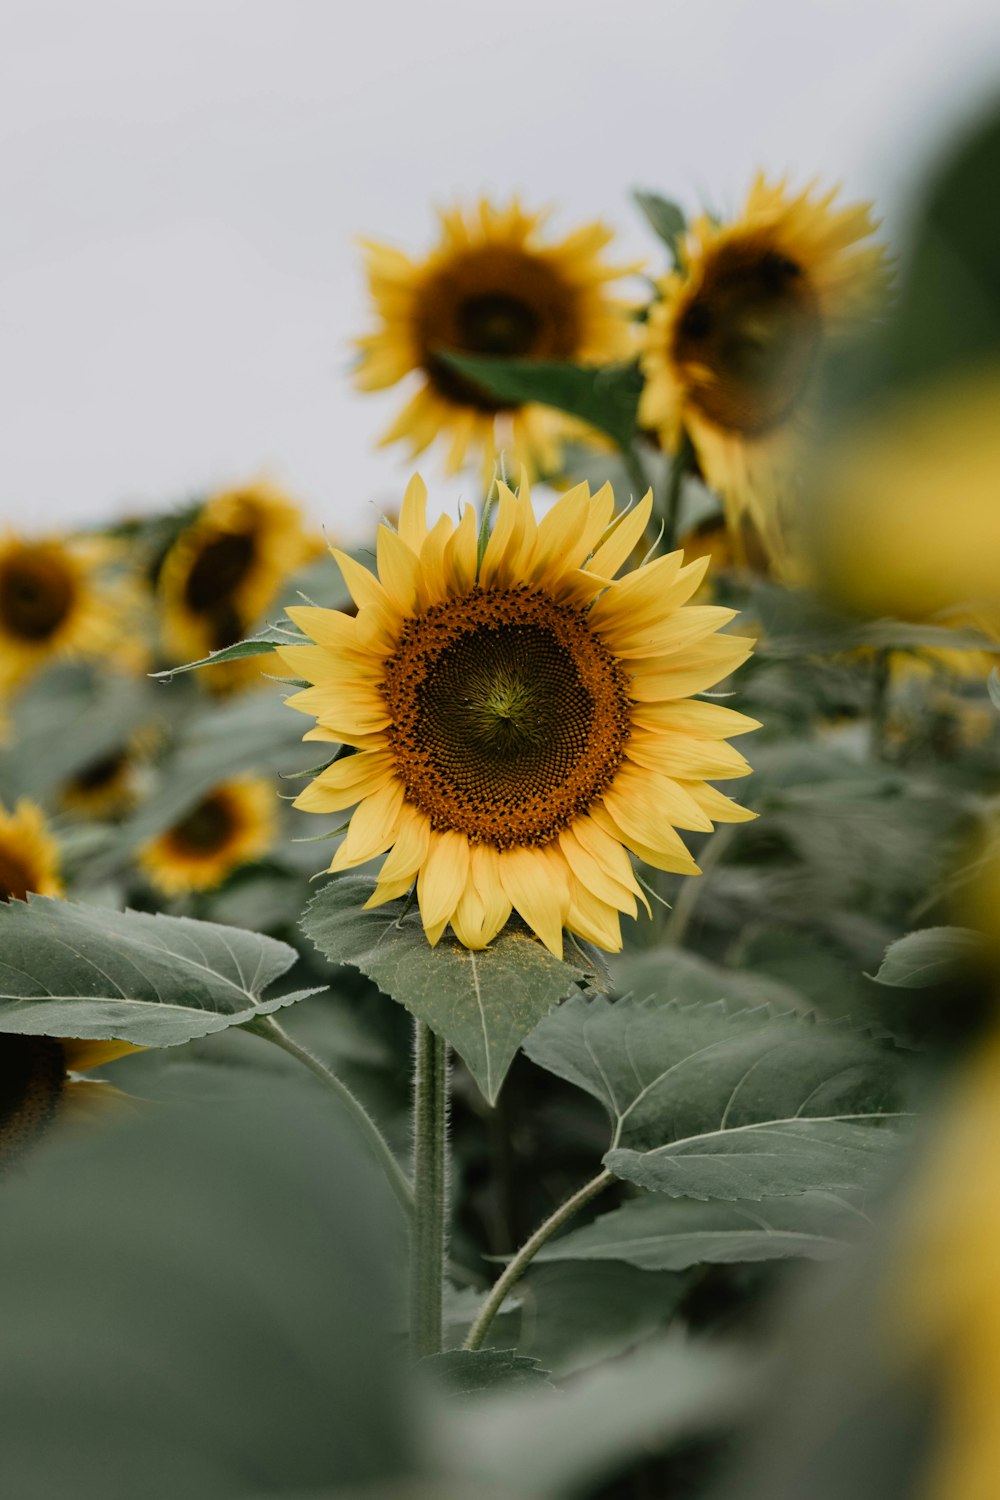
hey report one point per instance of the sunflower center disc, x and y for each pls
(15, 881)
(494, 301)
(36, 594)
(748, 340)
(509, 715)
(100, 773)
(205, 829)
(32, 1072)
(220, 567)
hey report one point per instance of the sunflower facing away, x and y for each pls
(232, 825)
(58, 599)
(731, 345)
(222, 573)
(491, 286)
(520, 725)
(39, 1087)
(29, 857)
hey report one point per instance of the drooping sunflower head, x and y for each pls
(492, 286)
(231, 825)
(29, 855)
(222, 573)
(731, 345)
(60, 598)
(522, 720)
(39, 1088)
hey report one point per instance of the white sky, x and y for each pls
(180, 181)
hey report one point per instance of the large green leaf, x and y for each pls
(932, 956)
(709, 1103)
(671, 1234)
(467, 1372)
(605, 396)
(69, 970)
(206, 1298)
(675, 974)
(483, 1004)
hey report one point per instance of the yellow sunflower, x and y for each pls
(39, 1087)
(62, 597)
(223, 572)
(29, 856)
(521, 721)
(104, 788)
(491, 286)
(731, 345)
(232, 825)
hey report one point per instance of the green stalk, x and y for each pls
(430, 1179)
(268, 1028)
(521, 1261)
(680, 466)
(879, 703)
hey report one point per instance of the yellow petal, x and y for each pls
(373, 827)
(710, 721)
(613, 553)
(413, 514)
(681, 628)
(720, 809)
(681, 756)
(442, 877)
(345, 782)
(505, 541)
(460, 554)
(485, 872)
(538, 890)
(590, 874)
(80, 1055)
(669, 852)
(593, 920)
(363, 586)
(398, 570)
(410, 849)
(693, 671)
(388, 890)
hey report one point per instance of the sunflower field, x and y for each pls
(505, 1010)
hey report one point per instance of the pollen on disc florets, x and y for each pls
(509, 715)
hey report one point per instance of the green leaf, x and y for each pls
(206, 1296)
(256, 645)
(675, 974)
(69, 970)
(672, 1234)
(483, 1004)
(468, 1372)
(605, 396)
(932, 956)
(665, 219)
(706, 1103)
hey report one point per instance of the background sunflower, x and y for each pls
(29, 855)
(491, 286)
(230, 826)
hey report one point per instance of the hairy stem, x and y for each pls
(517, 1267)
(430, 1179)
(268, 1028)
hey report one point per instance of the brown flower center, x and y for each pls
(494, 301)
(509, 715)
(32, 1073)
(15, 876)
(207, 828)
(748, 340)
(37, 592)
(100, 774)
(220, 567)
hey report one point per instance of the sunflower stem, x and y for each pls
(676, 926)
(680, 466)
(636, 470)
(519, 1264)
(430, 1178)
(268, 1028)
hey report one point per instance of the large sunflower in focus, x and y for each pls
(60, 598)
(39, 1086)
(29, 856)
(231, 825)
(491, 286)
(222, 573)
(521, 721)
(731, 346)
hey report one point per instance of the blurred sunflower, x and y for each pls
(29, 856)
(60, 598)
(39, 1087)
(491, 286)
(522, 720)
(232, 825)
(732, 343)
(104, 788)
(222, 573)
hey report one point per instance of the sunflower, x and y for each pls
(29, 857)
(523, 720)
(731, 345)
(491, 286)
(103, 788)
(39, 1087)
(232, 825)
(223, 572)
(60, 597)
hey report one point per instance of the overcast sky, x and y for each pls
(180, 182)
